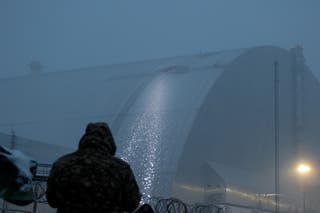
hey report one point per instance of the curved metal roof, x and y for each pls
(38, 106)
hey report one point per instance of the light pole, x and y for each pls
(276, 134)
(303, 170)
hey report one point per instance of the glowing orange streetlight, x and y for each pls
(303, 168)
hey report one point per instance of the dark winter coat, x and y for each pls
(92, 179)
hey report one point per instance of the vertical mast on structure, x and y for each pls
(298, 69)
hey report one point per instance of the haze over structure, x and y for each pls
(196, 116)
(64, 35)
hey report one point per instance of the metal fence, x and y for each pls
(40, 183)
(174, 205)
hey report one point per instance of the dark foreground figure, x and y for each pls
(145, 208)
(92, 180)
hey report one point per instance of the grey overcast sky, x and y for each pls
(77, 33)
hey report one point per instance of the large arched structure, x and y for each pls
(196, 127)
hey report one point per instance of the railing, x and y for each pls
(40, 183)
(42, 172)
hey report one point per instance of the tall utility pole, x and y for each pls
(276, 133)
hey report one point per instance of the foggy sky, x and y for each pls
(77, 33)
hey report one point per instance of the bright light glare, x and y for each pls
(303, 168)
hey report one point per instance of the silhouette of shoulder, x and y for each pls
(121, 163)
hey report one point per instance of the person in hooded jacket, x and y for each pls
(92, 179)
